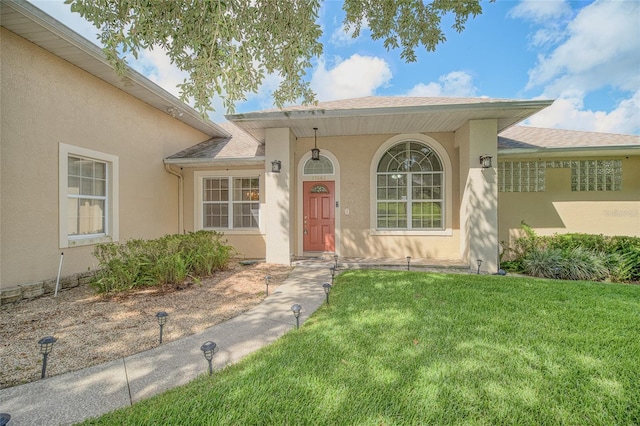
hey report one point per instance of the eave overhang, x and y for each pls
(387, 120)
(593, 151)
(215, 163)
(32, 24)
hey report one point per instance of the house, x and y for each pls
(400, 176)
(81, 154)
(88, 156)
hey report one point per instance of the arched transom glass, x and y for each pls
(323, 166)
(410, 188)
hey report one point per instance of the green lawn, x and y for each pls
(418, 348)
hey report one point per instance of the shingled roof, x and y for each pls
(525, 137)
(238, 147)
(385, 102)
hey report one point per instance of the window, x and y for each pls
(410, 188)
(596, 175)
(88, 196)
(323, 166)
(230, 202)
(521, 176)
(586, 175)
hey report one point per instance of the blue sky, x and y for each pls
(583, 54)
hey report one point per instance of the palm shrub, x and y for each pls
(167, 260)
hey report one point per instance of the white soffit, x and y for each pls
(30, 23)
(387, 120)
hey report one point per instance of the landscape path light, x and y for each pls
(327, 290)
(267, 279)
(162, 320)
(335, 261)
(479, 263)
(208, 348)
(408, 262)
(46, 346)
(4, 418)
(333, 274)
(296, 312)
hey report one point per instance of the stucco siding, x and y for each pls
(560, 210)
(248, 244)
(355, 155)
(47, 101)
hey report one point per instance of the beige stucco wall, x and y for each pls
(251, 244)
(560, 210)
(46, 101)
(354, 237)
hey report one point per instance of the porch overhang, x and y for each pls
(438, 117)
(217, 162)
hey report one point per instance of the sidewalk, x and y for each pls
(73, 397)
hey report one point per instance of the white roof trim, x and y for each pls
(581, 151)
(391, 110)
(215, 162)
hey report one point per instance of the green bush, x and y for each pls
(545, 263)
(167, 260)
(573, 256)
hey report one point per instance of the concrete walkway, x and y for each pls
(76, 396)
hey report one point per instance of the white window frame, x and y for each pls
(112, 228)
(200, 176)
(447, 184)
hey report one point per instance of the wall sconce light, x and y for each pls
(485, 161)
(276, 166)
(315, 152)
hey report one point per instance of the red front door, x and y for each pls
(319, 216)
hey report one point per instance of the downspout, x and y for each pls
(167, 167)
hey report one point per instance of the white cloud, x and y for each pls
(568, 113)
(342, 36)
(598, 49)
(602, 46)
(540, 11)
(354, 77)
(456, 84)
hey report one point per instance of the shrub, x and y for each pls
(545, 263)
(167, 260)
(573, 256)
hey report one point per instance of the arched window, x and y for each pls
(410, 188)
(323, 166)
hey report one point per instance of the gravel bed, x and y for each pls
(92, 329)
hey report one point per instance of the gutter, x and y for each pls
(581, 151)
(219, 162)
(167, 167)
(387, 110)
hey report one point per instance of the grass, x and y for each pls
(416, 348)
